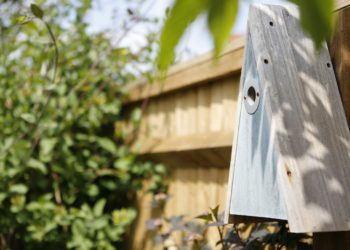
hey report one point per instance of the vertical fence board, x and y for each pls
(216, 107)
(203, 115)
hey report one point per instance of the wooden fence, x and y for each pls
(188, 125)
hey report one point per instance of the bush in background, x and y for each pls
(68, 177)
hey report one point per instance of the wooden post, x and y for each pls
(340, 52)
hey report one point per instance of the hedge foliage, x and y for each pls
(67, 176)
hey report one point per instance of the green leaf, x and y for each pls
(123, 216)
(221, 17)
(206, 217)
(160, 169)
(316, 19)
(22, 19)
(122, 164)
(215, 212)
(136, 115)
(46, 148)
(18, 188)
(107, 144)
(120, 51)
(37, 11)
(38, 165)
(78, 228)
(180, 17)
(30, 118)
(93, 190)
(3, 196)
(99, 223)
(99, 206)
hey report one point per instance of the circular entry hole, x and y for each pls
(251, 95)
(271, 24)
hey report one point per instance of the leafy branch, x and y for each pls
(38, 13)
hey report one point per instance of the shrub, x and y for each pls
(68, 177)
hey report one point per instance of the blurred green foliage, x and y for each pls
(68, 179)
(182, 232)
(316, 19)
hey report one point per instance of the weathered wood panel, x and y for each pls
(308, 124)
(255, 188)
(194, 124)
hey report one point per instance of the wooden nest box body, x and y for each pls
(291, 148)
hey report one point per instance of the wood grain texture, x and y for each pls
(317, 159)
(255, 189)
(307, 120)
(203, 110)
(194, 119)
(227, 214)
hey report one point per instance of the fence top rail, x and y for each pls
(195, 71)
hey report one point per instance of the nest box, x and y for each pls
(291, 147)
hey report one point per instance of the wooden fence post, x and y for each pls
(340, 52)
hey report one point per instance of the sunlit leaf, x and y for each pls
(99, 223)
(38, 165)
(122, 51)
(221, 17)
(46, 148)
(180, 17)
(22, 19)
(107, 144)
(123, 216)
(136, 115)
(28, 117)
(19, 188)
(99, 206)
(93, 190)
